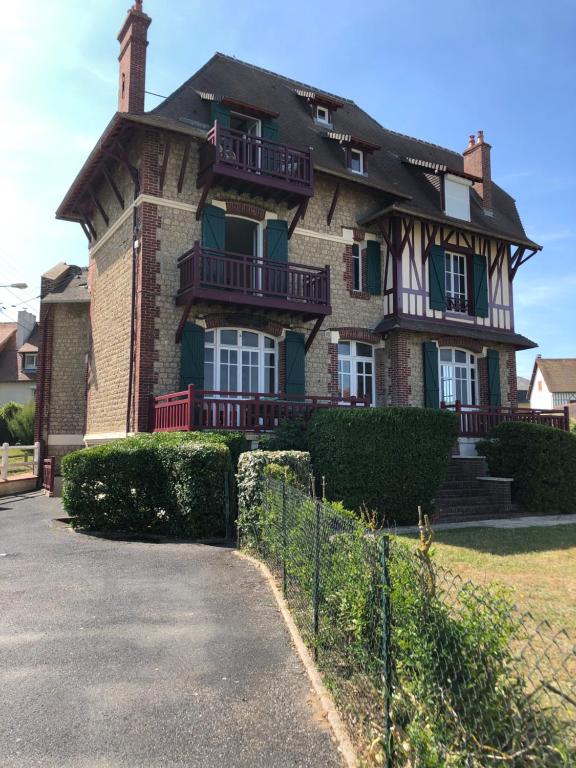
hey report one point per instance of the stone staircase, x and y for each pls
(469, 494)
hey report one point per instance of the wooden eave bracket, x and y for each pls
(313, 333)
(520, 258)
(184, 165)
(183, 320)
(113, 187)
(167, 147)
(333, 204)
(300, 213)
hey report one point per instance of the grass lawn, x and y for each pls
(19, 456)
(538, 563)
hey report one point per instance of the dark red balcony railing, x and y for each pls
(255, 160)
(193, 409)
(477, 421)
(236, 278)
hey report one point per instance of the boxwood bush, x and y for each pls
(171, 484)
(390, 460)
(542, 461)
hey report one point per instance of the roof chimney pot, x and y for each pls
(471, 140)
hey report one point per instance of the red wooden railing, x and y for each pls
(477, 421)
(239, 275)
(193, 409)
(247, 156)
(48, 473)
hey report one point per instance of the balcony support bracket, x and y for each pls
(203, 197)
(312, 334)
(300, 213)
(333, 204)
(184, 319)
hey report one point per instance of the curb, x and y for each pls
(327, 704)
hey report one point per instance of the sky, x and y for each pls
(435, 70)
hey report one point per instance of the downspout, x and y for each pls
(135, 240)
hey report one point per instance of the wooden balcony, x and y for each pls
(233, 278)
(192, 409)
(477, 421)
(248, 163)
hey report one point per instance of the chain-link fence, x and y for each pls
(426, 669)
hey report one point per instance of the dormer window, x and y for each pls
(457, 197)
(30, 361)
(323, 115)
(356, 160)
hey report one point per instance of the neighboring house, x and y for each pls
(553, 382)
(523, 387)
(18, 359)
(253, 234)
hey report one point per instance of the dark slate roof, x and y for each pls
(223, 76)
(481, 333)
(74, 291)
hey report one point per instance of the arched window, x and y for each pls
(240, 361)
(458, 380)
(355, 369)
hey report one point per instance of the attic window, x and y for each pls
(356, 161)
(457, 197)
(322, 115)
(30, 361)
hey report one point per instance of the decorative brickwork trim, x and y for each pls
(244, 321)
(482, 372)
(379, 369)
(358, 234)
(333, 369)
(147, 287)
(240, 208)
(399, 389)
(512, 379)
(282, 366)
(461, 341)
(348, 273)
(359, 334)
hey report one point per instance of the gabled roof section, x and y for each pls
(72, 291)
(230, 77)
(559, 373)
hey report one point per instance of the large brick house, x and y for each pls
(253, 234)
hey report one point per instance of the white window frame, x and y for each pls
(255, 120)
(30, 367)
(217, 346)
(360, 153)
(470, 365)
(357, 262)
(348, 365)
(324, 120)
(460, 297)
(457, 197)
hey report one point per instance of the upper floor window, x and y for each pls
(356, 268)
(457, 197)
(355, 369)
(356, 160)
(455, 275)
(30, 361)
(322, 115)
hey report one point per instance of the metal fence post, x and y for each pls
(284, 539)
(386, 650)
(318, 505)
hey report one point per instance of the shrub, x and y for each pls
(21, 424)
(251, 481)
(235, 441)
(289, 436)
(7, 412)
(149, 484)
(389, 460)
(540, 459)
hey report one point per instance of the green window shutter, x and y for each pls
(213, 227)
(374, 264)
(480, 283)
(431, 383)
(192, 356)
(295, 376)
(277, 240)
(437, 278)
(493, 363)
(221, 113)
(270, 129)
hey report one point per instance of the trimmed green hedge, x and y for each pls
(171, 484)
(235, 441)
(542, 461)
(388, 460)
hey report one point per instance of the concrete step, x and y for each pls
(467, 514)
(465, 493)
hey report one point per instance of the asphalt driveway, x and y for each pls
(117, 654)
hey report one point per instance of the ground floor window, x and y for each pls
(240, 361)
(355, 369)
(458, 380)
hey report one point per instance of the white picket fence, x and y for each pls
(15, 467)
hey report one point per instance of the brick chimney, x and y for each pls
(477, 162)
(133, 39)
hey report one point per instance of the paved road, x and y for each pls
(129, 654)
